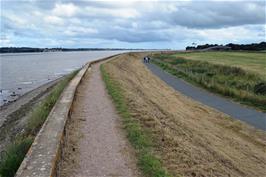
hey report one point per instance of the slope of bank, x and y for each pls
(191, 139)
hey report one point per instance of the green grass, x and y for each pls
(14, 156)
(232, 82)
(139, 138)
(16, 152)
(251, 61)
(40, 113)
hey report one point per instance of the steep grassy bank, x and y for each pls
(189, 138)
(233, 82)
(140, 140)
(15, 153)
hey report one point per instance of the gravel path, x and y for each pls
(101, 149)
(240, 112)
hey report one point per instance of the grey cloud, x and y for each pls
(154, 22)
(133, 36)
(206, 14)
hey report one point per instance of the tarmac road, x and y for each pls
(233, 109)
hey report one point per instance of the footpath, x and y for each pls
(95, 145)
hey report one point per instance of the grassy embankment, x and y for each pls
(140, 140)
(188, 138)
(16, 152)
(237, 75)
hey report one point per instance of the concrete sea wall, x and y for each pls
(41, 159)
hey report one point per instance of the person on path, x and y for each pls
(145, 59)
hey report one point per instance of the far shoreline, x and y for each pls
(6, 50)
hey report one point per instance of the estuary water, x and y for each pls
(23, 72)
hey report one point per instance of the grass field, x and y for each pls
(251, 61)
(227, 78)
(188, 138)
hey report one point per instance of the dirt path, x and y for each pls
(96, 145)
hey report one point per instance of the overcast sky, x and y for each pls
(130, 24)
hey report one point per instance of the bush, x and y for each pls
(260, 88)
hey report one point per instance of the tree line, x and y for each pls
(31, 49)
(248, 47)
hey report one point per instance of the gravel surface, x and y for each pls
(96, 145)
(240, 112)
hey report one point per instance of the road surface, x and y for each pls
(235, 110)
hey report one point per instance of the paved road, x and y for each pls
(235, 110)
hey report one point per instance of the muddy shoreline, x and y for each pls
(14, 115)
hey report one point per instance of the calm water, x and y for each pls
(21, 73)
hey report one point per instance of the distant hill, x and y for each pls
(230, 46)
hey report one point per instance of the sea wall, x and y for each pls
(41, 159)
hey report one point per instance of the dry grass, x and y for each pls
(190, 138)
(149, 164)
